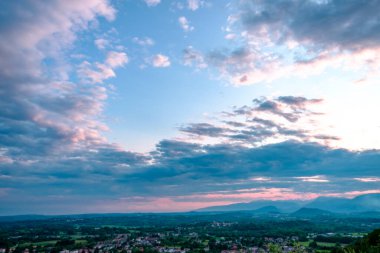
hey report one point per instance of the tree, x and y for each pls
(313, 244)
(274, 248)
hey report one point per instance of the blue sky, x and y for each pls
(126, 105)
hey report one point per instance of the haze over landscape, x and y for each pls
(129, 106)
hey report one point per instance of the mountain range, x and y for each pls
(359, 204)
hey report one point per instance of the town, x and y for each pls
(182, 235)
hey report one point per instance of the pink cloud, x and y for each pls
(351, 194)
(160, 204)
(98, 72)
(116, 59)
(367, 179)
(161, 61)
(196, 201)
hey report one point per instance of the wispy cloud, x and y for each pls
(316, 179)
(185, 24)
(101, 43)
(98, 72)
(195, 4)
(146, 41)
(192, 57)
(368, 179)
(152, 3)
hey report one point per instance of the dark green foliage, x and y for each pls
(313, 244)
(368, 244)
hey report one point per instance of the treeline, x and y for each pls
(367, 244)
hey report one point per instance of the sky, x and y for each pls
(173, 105)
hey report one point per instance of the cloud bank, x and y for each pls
(258, 152)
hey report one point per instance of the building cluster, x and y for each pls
(180, 241)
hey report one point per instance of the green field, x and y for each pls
(44, 243)
(306, 243)
(80, 241)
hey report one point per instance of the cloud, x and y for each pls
(216, 167)
(42, 111)
(260, 179)
(95, 74)
(296, 105)
(230, 36)
(53, 154)
(101, 43)
(316, 179)
(222, 173)
(185, 24)
(192, 57)
(194, 4)
(368, 179)
(204, 129)
(146, 41)
(161, 61)
(116, 59)
(317, 25)
(297, 101)
(298, 38)
(98, 72)
(152, 3)
(242, 65)
(266, 121)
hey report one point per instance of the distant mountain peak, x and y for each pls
(361, 203)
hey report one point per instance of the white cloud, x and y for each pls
(314, 179)
(101, 43)
(151, 3)
(95, 74)
(260, 179)
(230, 36)
(116, 59)
(185, 24)
(143, 41)
(160, 61)
(194, 4)
(98, 72)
